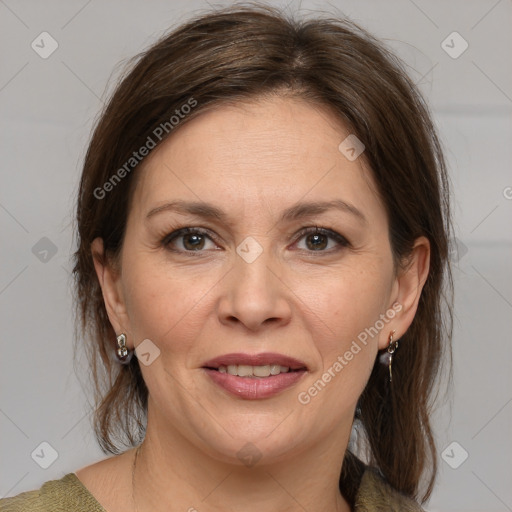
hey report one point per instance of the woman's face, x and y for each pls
(256, 279)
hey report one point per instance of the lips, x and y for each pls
(257, 376)
(263, 359)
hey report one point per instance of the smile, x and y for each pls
(254, 377)
(245, 370)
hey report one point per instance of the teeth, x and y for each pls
(245, 370)
(262, 371)
(275, 369)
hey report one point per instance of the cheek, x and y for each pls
(346, 346)
(349, 307)
(345, 303)
(161, 305)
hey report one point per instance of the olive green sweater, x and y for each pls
(69, 495)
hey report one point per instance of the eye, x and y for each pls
(188, 240)
(317, 239)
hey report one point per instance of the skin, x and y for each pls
(253, 160)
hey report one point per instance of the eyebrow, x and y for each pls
(297, 211)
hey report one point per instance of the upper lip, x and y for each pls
(255, 360)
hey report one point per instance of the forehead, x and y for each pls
(261, 153)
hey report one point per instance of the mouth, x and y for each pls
(255, 376)
(245, 370)
(255, 365)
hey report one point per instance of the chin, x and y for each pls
(268, 443)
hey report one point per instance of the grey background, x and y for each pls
(47, 110)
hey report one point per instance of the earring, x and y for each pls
(123, 353)
(393, 345)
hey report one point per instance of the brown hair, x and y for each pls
(245, 52)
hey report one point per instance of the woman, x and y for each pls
(263, 221)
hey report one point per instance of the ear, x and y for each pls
(109, 277)
(407, 291)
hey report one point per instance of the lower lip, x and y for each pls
(255, 388)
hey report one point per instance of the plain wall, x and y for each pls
(47, 110)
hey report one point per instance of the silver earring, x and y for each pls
(387, 356)
(123, 353)
(393, 345)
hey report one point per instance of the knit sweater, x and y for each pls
(69, 495)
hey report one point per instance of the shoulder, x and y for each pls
(375, 495)
(367, 491)
(65, 494)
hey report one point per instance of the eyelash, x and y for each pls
(313, 230)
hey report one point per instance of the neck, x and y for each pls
(172, 474)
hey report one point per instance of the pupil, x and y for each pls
(317, 238)
(195, 244)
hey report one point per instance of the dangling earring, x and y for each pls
(393, 345)
(123, 353)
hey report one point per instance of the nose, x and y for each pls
(254, 296)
